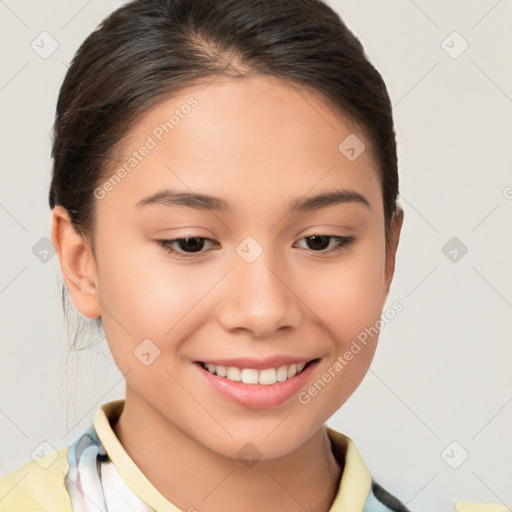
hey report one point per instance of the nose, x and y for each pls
(258, 299)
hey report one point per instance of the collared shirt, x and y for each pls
(96, 474)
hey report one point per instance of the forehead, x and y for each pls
(254, 139)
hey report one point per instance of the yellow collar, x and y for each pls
(351, 497)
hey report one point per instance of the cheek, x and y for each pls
(348, 299)
(150, 295)
(147, 297)
(348, 295)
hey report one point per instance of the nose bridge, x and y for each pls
(256, 297)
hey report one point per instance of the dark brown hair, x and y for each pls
(148, 50)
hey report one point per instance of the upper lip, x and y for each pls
(260, 364)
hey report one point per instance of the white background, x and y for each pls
(442, 371)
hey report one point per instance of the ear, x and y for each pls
(77, 262)
(396, 227)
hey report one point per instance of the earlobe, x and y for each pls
(77, 262)
(396, 228)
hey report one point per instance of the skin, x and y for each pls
(258, 143)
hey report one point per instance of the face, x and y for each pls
(178, 281)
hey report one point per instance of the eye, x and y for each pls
(194, 244)
(191, 247)
(321, 242)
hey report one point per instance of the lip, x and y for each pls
(258, 396)
(259, 364)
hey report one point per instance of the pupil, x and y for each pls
(317, 238)
(195, 247)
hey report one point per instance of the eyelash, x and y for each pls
(343, 242)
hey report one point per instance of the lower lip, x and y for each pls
(258, 396)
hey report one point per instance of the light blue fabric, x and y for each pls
(83, 481)
(90, 486)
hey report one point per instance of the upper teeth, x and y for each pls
(251, 376)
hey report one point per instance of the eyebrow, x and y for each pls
(205, 202)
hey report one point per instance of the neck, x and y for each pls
(191, 476)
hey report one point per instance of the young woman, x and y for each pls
(224, 202)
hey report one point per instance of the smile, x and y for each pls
(267, 376)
